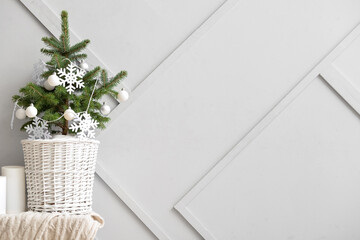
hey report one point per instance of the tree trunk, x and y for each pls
(65, 128)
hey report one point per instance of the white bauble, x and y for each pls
(123, 95)
(31, 111)
(20, 114)
(53, 80)
(69, 114)
(105, 109)
(84, 65)
(47, 86)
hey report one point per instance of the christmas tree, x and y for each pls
(67, 85)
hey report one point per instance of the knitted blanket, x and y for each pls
(44, 226)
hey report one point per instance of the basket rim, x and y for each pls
(61, 140)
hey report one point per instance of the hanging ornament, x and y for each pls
(71, 77)
(47, 86)
(105, 109)
(53, 80)
(84, 65)
(39, 68)
(31, 111)
(20, 114)
(69, 114)
(123, 95)
(38, 129)
(84, 125)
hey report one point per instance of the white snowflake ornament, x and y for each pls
(71, 77)
(38, 129)
(84, 125)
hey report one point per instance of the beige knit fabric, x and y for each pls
(45, 226)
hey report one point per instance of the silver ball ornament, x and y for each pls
(84, 65)
(53, 80)
(105, 109)
(123, 96)
(69, 114)
(47, 86)
(31, 111)
(20, 114)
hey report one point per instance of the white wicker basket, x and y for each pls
(60, 174)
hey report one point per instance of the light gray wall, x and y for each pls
(20, 47)
(200, 105)
(120, 221)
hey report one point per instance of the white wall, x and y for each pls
(20, 49)
(201, 105)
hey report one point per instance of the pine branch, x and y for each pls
(50, 115)
(64, 37)
(113, 93)
(91, 74)
(61, 93)
(64, 44)
(77, 57)
(104, 77)
(31, 88)
(47, 51)
(79, 46)
(46, 74)
(24, 102)
(49, 100)
(100, 92)
(107, 85)
(100, 119)
(58, 61)
(117, 79)
(16, 98)
(37, 91)
(52, 42)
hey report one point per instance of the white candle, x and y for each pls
(15, 188)
(2, 194)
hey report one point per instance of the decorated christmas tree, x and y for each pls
(66, 97)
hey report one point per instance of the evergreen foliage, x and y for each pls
(52, 104)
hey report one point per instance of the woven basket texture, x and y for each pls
(60, 174)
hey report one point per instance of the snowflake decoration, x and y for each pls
(39, 68)
(38, 129)
(84, 125)
(71, 77)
